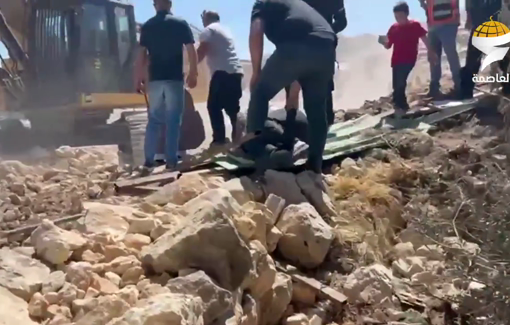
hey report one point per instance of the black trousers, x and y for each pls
(329, 101)
(400, 73)
(313, 68)
(225, 91)
(472, 67)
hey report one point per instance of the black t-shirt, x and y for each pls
(289, 21)
(164, 36)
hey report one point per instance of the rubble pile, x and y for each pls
(395, 237)
(29, 194)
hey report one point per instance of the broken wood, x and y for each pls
(170, 177)
(23, 231)
(322, 289)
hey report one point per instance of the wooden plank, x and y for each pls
(323, 290)
(168, 177)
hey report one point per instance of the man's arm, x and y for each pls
(257, 37)
(203, 47)
(141, 62)
(339, 20)
(189, 43)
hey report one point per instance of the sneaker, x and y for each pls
(146, 171)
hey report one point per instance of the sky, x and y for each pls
(364, 16)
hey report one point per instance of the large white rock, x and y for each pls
(306, 236)
(285, 186)
(13, 310)
(317, 192)
(216, 300)
(369, 285)
(54, 244)
(168, 309)
(21, 275)
(274, 303)
(106, 219)
(206, 240)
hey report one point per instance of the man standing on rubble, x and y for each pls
(225, 88)
(334, 13)
(479, 12)
(305, 52)
(162, 39)
(443, 19)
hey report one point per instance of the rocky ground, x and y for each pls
(415, 233)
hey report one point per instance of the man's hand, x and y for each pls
(140, 85)
(191, 80)
(433, 58)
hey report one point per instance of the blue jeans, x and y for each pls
(443, 37)
(166, 107)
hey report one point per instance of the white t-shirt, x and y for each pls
(222, 55)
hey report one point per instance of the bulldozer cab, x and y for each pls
(77, 48)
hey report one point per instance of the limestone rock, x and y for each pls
(54, 244)
(132, 276)
(80, 274)
(285, 186)
(297, 319)
(275, 302)
(170, 308)
(107, 308)
(462, 246)
(13, 309)
(262, 219)
(272, 238)
(104, 286)
(106, 219)
(136, 241)
(216, 300)
(113, 278)
(181, 191)
(143, 226)
(275, 204)
(432, 252)
(243, 190)
(37, 306)
(129, 294)
(121, 264)
(220, 199)
(317, 192)
(263, 274)
(303, 294)
(54, 282)
(21, 275)
(369, 285)
(223, 255)
(306, 236)
(250, 311)
(403, 250)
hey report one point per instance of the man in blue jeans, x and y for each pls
(443, 20)
(162, 39)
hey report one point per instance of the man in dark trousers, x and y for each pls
(305, 52)
(479, 12)
(162, 39)
(225, 89)
(334, 13)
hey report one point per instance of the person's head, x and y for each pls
(401, 12)
(163, 5)
(209, 17)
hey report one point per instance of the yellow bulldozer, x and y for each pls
(70, 67)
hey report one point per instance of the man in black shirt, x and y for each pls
(334, 13)
(305, 51)
(162, 39)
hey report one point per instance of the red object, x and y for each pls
(404, 38)
(442, 13)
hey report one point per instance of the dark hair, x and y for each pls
(401, 6)
(211, 15)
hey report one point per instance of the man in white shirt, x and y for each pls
(225, 90)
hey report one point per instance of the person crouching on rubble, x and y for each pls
(305, 51)
(225, 89)
(404, 37)
(162, 39)
(334, 13)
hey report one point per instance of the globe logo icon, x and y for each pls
(491, 29)
(492, 39)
